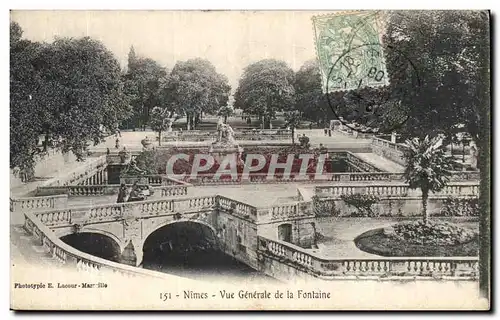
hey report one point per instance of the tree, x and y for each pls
(80, 93)
(142, 83)
(25, 126)
(427, 167)
(226, 111)
(310, 99)
(194, 87)
(292, 119)
(159, 121)
(446, 54)
(451, 51)
(265, 88)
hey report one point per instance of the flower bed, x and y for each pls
(419, 239)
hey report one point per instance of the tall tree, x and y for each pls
(310, 99)
(265, 88)
(25, 125)
(451, 51)
(80, 93)
(142, 83)
(194, 87)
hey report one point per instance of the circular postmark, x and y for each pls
(357, 74)
(359, 91)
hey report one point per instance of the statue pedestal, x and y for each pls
(220, 150)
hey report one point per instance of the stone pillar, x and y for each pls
(393, 137)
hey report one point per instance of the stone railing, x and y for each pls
(282, 212)
(389, 150)
(386, 267)
(111, 212)
(174, 190)
(38, 203)
(470, 189)
(80, 261)
(258, 134)
(237, 208)
(154, 179)
(353, 133)
(156, 207)
(86, 171)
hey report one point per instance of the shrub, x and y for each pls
(362, 202)
(325, 208)
(468, 207)
(435, 233)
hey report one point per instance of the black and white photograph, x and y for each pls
(250, 160)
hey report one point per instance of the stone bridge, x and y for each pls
(234, 224)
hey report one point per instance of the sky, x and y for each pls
(229, 39)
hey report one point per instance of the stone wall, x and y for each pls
(395, 206)
(238, 238)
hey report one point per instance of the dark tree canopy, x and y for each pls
(310, 99)
(265, 88)
(194, 87)
(80, 93)
(69, 91)
(450, 52)
(142, 84)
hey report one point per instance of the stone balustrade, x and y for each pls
(457, 189)
(57, 217)
(258, 134)
(431, 267)
(237, 208)
(80, 261)
(170, 191)
(38, 203)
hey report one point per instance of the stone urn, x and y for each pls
(146, 143)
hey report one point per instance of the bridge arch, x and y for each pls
(105, 233)
(179, 242)
(171, 222)
(100, 244)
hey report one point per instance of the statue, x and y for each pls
(168, 123)
(225, 134)
(146, 142)
(473, 156)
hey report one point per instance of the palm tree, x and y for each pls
(427, 167)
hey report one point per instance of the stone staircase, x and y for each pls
(26, 251)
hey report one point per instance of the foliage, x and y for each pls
(427, 167)
(292, 120)
(159, 121)
(434, 233)
(468, 207)
(80, 92)
(25, 127)
(310, 99)
(362, 202)
(439, 64)
(380, 243)
(265, 88)
(142, 83)
(193, 87)
(70, 91)
(324, 208)
(225, 111)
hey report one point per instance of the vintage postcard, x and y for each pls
(250, 160)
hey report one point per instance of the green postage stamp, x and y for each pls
(349, 50)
